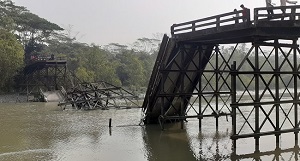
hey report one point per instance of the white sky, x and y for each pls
(124, 21)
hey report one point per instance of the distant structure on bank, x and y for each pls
(43, 74)
(47, 79)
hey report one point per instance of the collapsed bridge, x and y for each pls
(193, 78)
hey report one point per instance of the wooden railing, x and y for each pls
(235, 17)
(217, 21)
(40, 58)
(280, 13)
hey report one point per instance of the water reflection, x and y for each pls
(171, 144)
(211, 146)
(290, 154)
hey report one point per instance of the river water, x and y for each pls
(43, 132)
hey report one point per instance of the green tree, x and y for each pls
(9, 13)
(146, 45)
(31, 30)
(11, 53)
(85, 75)
(130, 69)
(101, 63)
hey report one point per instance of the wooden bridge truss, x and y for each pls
(272, 94)
(264, 104)
(211, 89)
(223, 91)
(100, 95)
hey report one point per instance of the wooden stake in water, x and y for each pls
(109, 124)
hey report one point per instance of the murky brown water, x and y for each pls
(42, 132)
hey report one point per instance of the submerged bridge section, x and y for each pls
(194, 78)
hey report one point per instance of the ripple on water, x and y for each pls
(29, 155)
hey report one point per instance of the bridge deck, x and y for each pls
(228, 28)
(40, 64)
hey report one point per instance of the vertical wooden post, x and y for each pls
(218, 23)
(109, 124)
(256, 88)
(233, 103)
(277, 98)
(172, 30)
(293, 14)
(296, 97)
(248, 17)
(193, 27)
(236, 14)
(182, 95)
(217, 88)
(255, 16)
(200, 90)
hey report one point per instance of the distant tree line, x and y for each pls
(24, 34)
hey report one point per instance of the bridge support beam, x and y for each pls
(180, 92)
(267, 104)
(203, 71)
(215, 88)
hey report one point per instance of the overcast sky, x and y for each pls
(124, 21)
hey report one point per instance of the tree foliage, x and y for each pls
(11, 54)
(31, 30)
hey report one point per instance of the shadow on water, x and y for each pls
(290, 154)
(174, 144)
(218, 146)
(171, 144)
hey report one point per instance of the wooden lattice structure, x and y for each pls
(43, 74)
(100, 95)
(194, 78)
